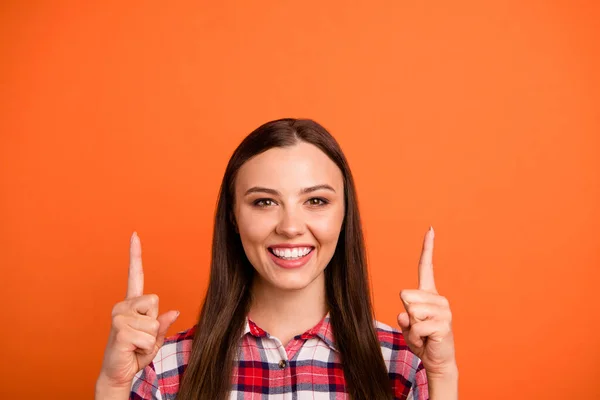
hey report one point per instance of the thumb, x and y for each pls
(404, 322)
(165, 320)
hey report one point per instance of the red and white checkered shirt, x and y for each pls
(309, 367)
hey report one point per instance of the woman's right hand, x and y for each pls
(137, 331)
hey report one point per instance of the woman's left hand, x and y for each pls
(427, 322)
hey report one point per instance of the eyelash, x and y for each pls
(322, 202)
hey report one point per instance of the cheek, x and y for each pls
(327, 229)
(255, 227)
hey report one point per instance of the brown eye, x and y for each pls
(317, 201)
(264, 202)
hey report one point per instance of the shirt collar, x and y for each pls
(322, 330)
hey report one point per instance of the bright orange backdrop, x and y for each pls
(481, 118)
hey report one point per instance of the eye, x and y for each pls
(263, 203)
(317, 201)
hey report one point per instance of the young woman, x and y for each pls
(287, 314)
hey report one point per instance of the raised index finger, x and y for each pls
(135, 282)
(426, 280)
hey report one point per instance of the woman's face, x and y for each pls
(289, 209)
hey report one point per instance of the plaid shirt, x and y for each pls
(309, 367)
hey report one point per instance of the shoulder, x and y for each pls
(409, 378)
(175, 351)
(160, 379)
(390, 338)
(394, 347)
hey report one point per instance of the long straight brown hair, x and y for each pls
(208, 374)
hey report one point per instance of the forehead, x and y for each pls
(290, 168)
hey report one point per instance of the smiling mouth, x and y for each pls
(291, 254)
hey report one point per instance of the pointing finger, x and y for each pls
(411, 296)
(426, 280)
(135, 283)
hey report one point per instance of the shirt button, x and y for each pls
(282, 364)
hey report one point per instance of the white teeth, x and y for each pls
(296, 252)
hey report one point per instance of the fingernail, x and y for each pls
(177, 314)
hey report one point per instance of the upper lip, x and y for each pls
(290, 245)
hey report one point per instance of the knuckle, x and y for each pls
(405, 295)
(117, 309)
(444, 301)
(415, 340)
(149, 342)
(154, 326)
(418, 308)
(118, 321)
(153, 299)
(421, 315)
(122, 336)
(145, 351)
(445, 329)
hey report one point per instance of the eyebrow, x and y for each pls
(259, 189)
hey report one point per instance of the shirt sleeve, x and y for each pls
(145, 385)
(407, 374)
(419, 389)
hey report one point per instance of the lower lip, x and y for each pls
(291, 263)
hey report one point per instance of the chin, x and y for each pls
(293, 280)
(291, 283)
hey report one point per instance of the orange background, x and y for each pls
(481, 118)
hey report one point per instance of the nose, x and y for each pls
(291, 224)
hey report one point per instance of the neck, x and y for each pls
(286, 313)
